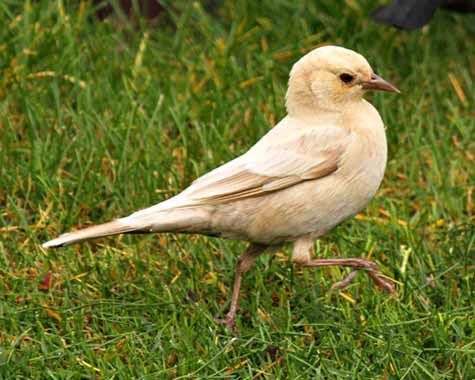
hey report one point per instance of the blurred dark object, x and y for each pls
(414, 14)
(133, 9)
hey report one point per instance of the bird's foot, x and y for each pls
(380, 282)
(228, 321)
(371, 268)
(373, 271)
(345, 282)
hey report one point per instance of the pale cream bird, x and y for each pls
(320, 165)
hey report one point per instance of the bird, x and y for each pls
(317, 167)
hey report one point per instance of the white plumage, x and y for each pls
(320, 165)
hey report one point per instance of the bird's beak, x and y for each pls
(378, 83)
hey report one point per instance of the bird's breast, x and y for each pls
(362, 167)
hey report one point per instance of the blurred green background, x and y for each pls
(99, 118)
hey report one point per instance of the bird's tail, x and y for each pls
(115, 227)
(148, 220)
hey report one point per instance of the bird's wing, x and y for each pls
(276, 162)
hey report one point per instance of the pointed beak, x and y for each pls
(378, 83)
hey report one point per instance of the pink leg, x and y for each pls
(345, 282)
(245, 262)
(371, 268)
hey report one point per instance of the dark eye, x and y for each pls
(346, 78)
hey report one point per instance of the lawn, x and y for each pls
(99, 119)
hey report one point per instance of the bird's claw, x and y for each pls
(380, 282)
(345, 282)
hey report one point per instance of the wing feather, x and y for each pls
(271, 166)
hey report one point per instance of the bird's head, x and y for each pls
(329, 78)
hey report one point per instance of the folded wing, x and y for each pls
(273, 164)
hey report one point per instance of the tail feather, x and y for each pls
(147, 220)
(112, 228)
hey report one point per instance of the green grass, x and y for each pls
(98, 119)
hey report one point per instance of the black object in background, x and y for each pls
(414, 14)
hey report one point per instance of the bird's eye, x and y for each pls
(346, 78)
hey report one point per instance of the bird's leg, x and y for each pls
(245, 262)
(302, 256)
